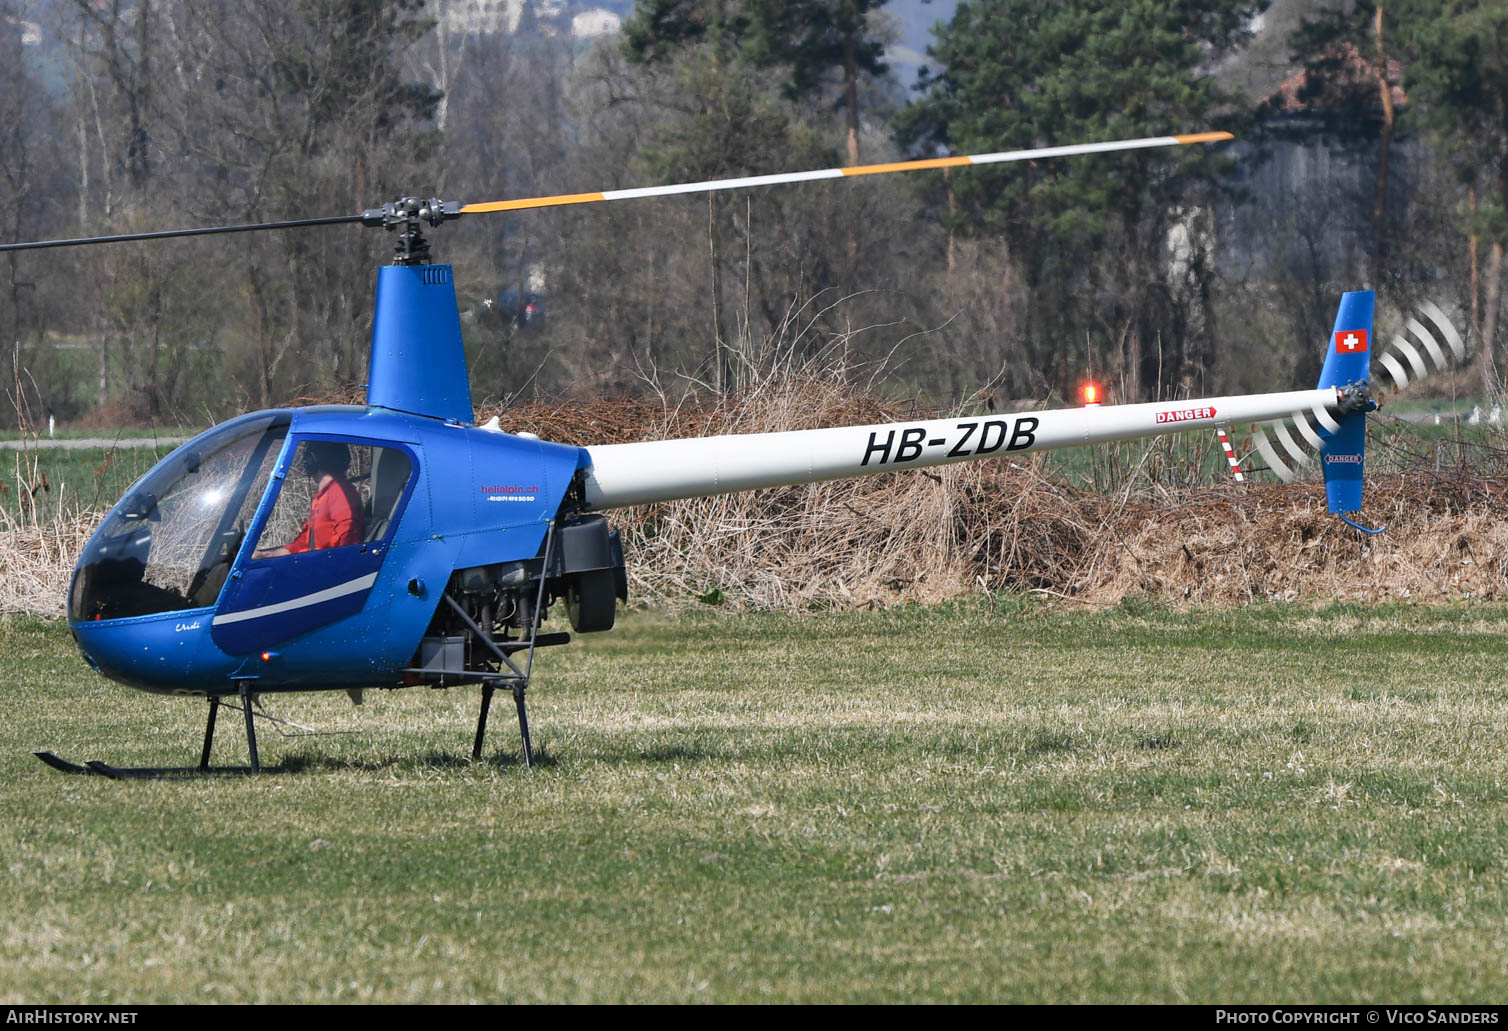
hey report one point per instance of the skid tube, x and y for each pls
(103, 769)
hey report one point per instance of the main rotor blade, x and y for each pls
(840, 173)
(169, 233)
(375, 217)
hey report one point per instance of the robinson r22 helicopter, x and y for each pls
(423, 549)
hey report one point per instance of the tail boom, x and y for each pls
(666, 470)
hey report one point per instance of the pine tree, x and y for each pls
(1458, 75)
(1091, 236)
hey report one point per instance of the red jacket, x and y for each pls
(335, 519)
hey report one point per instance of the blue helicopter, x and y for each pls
(397, 543)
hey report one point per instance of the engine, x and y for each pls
(580, 564)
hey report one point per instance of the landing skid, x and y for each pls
(61, 765)
(102, 769)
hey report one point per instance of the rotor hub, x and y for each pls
(407, 216)
(1356, 397)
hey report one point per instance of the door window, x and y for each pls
(336, 494)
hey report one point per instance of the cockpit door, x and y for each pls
(320, 541)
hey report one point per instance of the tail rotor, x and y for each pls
(1391, 370)
(1338, 439)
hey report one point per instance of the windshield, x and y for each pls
(169, 544)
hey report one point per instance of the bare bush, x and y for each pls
(37, 557)
(1004, 525)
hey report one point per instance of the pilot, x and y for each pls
(335, 517)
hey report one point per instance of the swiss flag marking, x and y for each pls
(1350, 341)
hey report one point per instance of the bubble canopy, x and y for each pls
(169, 544)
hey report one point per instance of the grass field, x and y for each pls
(990, 802)
(92, 478)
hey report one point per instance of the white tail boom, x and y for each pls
(666, 470)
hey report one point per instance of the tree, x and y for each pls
(114, 48)
(711, 69)
(800, 41)
(1458, 72)
(813, 36)
(287, 109)
(32, 196)
(1090, 237)
(1350, 76)
(510, 133)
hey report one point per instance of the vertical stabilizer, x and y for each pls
(418, 364)
(1347, 361)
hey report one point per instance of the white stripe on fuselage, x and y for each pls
(361, 583)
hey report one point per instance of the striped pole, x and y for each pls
(1230, 454)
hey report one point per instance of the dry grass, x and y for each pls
(925, 536)
(37, 556)
(1446, 540)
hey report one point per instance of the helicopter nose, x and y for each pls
(84, 651)
(153, 654)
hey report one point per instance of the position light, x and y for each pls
(1091, 395)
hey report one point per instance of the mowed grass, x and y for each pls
(990, 802)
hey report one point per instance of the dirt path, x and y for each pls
(77, 443)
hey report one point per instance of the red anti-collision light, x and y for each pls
(1091, 395)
